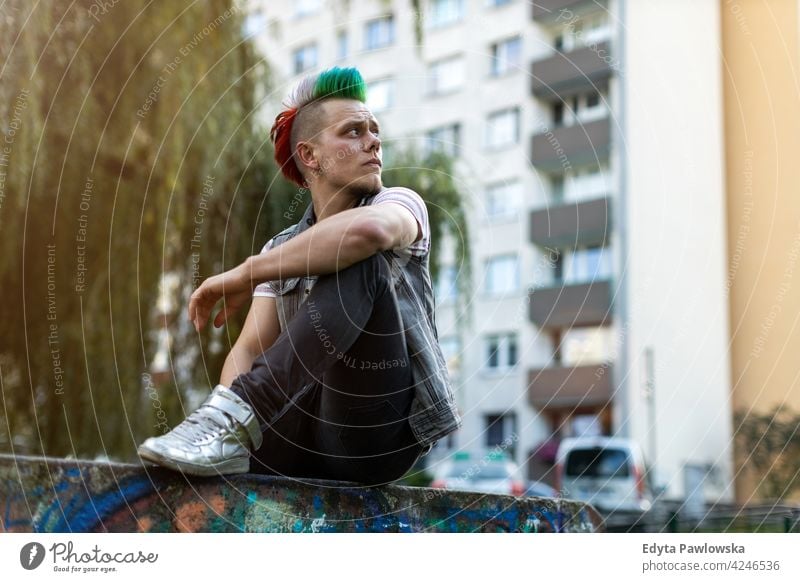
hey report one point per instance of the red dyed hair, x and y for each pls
(280, 134)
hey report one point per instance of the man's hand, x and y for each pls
(234, 287)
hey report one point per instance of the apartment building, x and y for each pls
(589, 144)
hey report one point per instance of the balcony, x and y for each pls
(549, 10)
(571, 145)
(563, 74)
(581, 305)
(557, 387)
(572, 224)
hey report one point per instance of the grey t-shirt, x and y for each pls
(395, 195)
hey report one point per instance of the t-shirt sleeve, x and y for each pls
(264, 290)
(416, 205)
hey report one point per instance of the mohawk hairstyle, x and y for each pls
(336, 82)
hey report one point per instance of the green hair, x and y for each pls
(344, 83)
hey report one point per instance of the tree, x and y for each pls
(768, 447)
(129, 152)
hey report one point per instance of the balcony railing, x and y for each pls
(564, 147)
(567, 387)
(563, 306)
(563, 74)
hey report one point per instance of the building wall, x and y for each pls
(675, 230)
(761, 59)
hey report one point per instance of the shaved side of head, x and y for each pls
(308, 124)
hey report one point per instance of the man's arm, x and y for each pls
(335, 243)
(330, 245)
(261, 329)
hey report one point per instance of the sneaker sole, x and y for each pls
(226, 467)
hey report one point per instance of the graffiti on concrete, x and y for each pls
(55, 495)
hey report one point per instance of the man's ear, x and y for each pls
(307, 155)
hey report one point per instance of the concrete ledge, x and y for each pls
(40, 494)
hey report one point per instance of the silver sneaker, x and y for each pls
(215, 439)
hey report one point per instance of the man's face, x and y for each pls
(348, 147)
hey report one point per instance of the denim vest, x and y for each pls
(433, 409)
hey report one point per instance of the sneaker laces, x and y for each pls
(204, 422)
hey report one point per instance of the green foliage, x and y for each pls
(768, 446)
(117, 119)
(433, 178)
(415, 478)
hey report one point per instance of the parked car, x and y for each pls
(608, 472)
(486, 473)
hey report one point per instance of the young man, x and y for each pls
(338, 372)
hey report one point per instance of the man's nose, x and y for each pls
(373, 142)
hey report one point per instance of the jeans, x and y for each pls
(333, 393)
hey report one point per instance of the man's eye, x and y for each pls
(353, 130)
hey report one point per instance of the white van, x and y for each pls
(608, 472)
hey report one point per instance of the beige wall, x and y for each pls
(761, 74)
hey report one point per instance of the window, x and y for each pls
(446, 286)
(587, 264)
(444, 12)
(596, 29)
(574, 105)
(588, 182)
(500, 430)
(598, 463)
(549, 271)
(341, 45)
(503, 200)
(497, 2)
(557, 188)
(578, 109)
(558, 266)
(379, 33)
(506, 56)
(502, 275)
(587, 346)
(502, 128)
(588, 31)
(443, 139)
(501, 351)
(558, 113)
(451, 350)
(305, 58)
(304, 7)
(380, 94)
(591, 107)
(446, 75)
